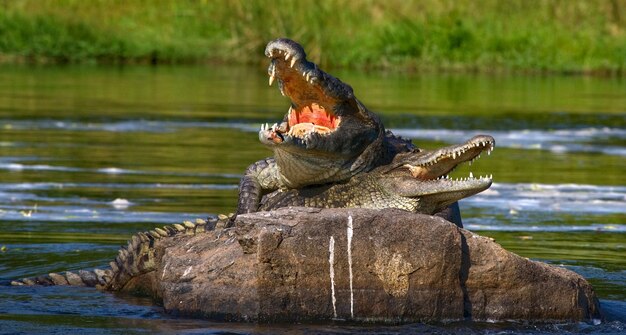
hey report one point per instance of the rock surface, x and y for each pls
(307, 264)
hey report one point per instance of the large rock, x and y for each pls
(300, 264)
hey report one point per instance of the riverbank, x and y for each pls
(578, 36)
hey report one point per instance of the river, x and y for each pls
(92, 154)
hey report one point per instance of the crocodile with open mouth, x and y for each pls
(327, 135)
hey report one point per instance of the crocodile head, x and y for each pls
(327, 135)
(424, 175)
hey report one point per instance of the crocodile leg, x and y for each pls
(260, 178)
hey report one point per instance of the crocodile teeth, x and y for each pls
(272, 73)
(308, 77)
(454, 155)
(471, 175)
(287, 56)
(293, 62)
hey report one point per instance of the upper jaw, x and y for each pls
(439, 163)
(302, 81)
(318, 100)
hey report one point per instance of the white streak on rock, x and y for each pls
(349, 234)
(164, 270)
(331, 261)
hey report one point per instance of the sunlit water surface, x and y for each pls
(91, 155)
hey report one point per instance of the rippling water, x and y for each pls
(91, 155)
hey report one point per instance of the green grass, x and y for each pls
(567, 36)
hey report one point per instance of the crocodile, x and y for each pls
(395, 185)
(326, 136)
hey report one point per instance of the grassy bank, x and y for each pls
(488, 35)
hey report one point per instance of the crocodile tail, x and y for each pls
(133, 259)
(138, 257)
(90, 278)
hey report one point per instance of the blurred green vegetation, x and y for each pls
(565, 36)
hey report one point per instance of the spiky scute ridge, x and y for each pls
(136, 258)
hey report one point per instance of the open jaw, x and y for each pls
(424, 175)
(437, 164)
(317, 98)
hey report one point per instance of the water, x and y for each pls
(91, 155)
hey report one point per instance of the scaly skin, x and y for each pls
(399, 184)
